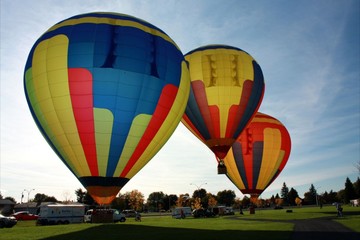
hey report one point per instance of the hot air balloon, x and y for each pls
(258, 155)
(227, 86)
(106, 91)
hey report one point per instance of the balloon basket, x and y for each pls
(221, 169)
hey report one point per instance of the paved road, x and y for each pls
(316, 229)
(322, 228)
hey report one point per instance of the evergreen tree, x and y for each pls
(349, 193)
(292, 195)
(284, 193)
(80, 195)
(310, 196)
(272, 200)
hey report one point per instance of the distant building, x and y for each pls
(6, 206)
(31, 207)
(355, 202)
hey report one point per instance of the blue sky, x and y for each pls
(308, 51)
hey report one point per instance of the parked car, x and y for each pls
(129, 213)
(197, 213)
(102, 215)
(119, 217)
(25, 215)
(7, 222)
(229, 211)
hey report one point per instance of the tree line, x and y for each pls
(311, 197)
(159, 201)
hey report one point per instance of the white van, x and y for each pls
(61, 214)
(176, 213)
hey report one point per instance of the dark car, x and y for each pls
(25, 215)
(7, 222)
(129, 213)
(198, 213)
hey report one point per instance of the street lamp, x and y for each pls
(198, 187)
(317, 200)
(28, 192)
(22, 196)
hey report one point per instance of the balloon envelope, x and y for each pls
(107, 91)
(227, 87)
(259, 155)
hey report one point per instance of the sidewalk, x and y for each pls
(322, 228)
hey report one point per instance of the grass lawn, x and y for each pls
(265, 224)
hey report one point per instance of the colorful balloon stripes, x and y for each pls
(227, 87)
(259, 155)
(107, 91)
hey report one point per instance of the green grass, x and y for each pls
(265, 224)
(153, 228)
(302, 213)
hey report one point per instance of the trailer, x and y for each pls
(61, 214)
(181, 212)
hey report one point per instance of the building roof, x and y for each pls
(6, 202)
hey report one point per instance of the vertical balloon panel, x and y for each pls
(107, 91)
(258, 155)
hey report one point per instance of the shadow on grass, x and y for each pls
(345, 213)
(135, 232)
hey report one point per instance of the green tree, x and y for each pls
(272, 200)
(201, 194)
(155, 201)
(284, 193)
(226, 197)
(11, 199)
(170, 201)
(341, 195)
(80, 195)
(245, 202)
(40, 197)
(310, 196)
(120, 202)
(292, 195)
(349, 193)
(84, 197)
(329, 197)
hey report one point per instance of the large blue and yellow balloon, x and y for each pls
(227, 87)
(106, 91)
